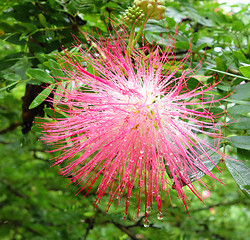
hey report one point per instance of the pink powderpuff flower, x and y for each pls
(132, 124)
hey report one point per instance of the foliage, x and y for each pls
(34, 203)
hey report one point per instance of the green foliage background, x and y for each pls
(34, 203)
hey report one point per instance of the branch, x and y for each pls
(125, 230)
(13, 190)
(90, 222)
(218, 205)
(137, 223)
(120, 226)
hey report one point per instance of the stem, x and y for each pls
(132, 40)
(224, 131)
(131, 35)
(224, 126)
(138, 34)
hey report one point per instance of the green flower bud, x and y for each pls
(134, 15)
(152, 8)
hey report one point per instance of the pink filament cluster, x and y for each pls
(131, 125)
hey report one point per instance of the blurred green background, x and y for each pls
(34, 200)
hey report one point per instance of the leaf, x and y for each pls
(215, 110)
(201, 78)
(41, 97)
(7, 27)
(56, 69)
(175, 14)
(224, 86)
(244, 155)
(192, 83)
(153, 38)
(241, 142)
(53, 113)
(245, 70)
(195, 175)
(10, 60)
(42, 20)
(13, 77)
(242, 92)
(239, 109)
(182, 45)
(155, 28)
(240, 173)
(241, 124)
(209, 165)
(240, 56)
(50, 35)
(198, 173)
(220, 64)
(40, 75)
(237, 26)
(16, 39)
(94, 20)
(9, 86)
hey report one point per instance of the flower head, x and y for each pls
(133, 15)
(154, 9)
(132, 123)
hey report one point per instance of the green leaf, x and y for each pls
(50, 35)
(155, 28)
(42, 20)
(201, 78)
(209, 165)
(237, 26)
(220, 64)
(195, 175)
(224, 86)
(94, 20)
(16, 39)
(13, 77)
(56, 69)
(52, 113)
(242, 92)
(239, 109)
(40, 75)
(9, 86)
(182, 45)
(7, 27)
(10, 60)
(240, 56)
(241, 124)
(151, 37)
(170, 22)
(240, 173)
(244, 155)
(241, 142)
(215, 110)
(41, 97)
(192, 83)
(198, 48)
(245, 70)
